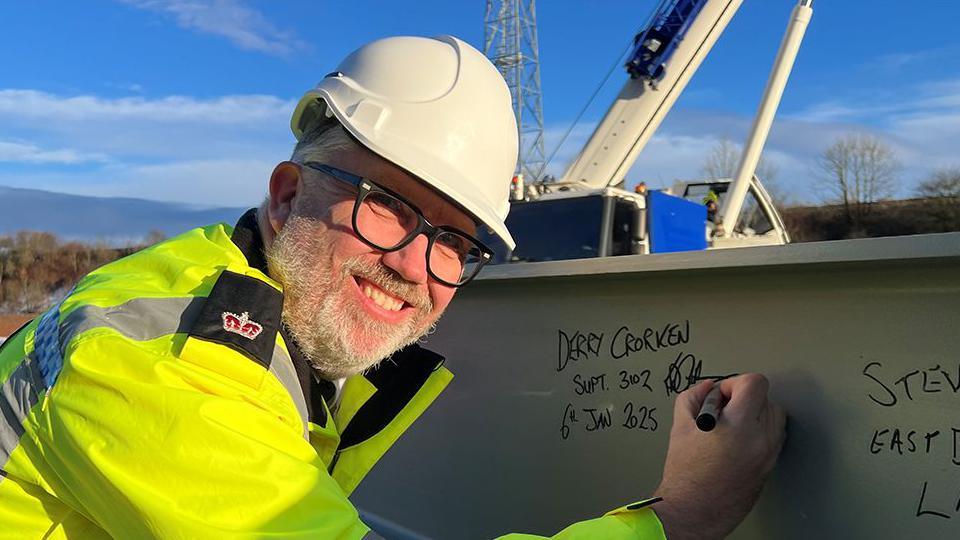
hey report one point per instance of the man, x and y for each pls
(228, 382)
(710, 201)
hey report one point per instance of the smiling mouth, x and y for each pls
(379, 297)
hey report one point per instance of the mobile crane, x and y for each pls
(586, 213)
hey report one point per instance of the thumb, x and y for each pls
(689, 402)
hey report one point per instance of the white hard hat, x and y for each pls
(434, 107)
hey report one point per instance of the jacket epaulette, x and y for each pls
(242, 313)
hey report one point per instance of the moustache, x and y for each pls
(388, 280)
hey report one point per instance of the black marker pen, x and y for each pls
(710, 410)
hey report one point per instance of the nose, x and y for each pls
(410, 261)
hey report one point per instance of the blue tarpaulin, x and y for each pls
(675, 224)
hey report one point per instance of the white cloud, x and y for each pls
(212, 182)
(829, 111)
(900, 60)
(19, 152)
(931, 97)
(138, 129)
(208, 183)
(133, 88)
(572, 144)
(939, 94)
(214, 151)
(241, 109)
(668, 157)
(906, 61)
(246, 27)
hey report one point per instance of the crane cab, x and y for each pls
(760, 223)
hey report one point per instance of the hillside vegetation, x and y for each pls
(885, 218)
(36, 268)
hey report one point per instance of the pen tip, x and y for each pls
(706, 422)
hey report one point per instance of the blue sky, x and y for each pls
(189, 100)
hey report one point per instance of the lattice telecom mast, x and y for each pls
(510, 42)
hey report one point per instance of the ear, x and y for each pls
(284, 186)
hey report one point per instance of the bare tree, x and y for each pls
(856, 171)
(153, 237)
(723, 160)
(942, 193)
(942, 184)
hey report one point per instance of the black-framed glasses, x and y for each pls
(386, 221)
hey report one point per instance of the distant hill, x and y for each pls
(114, 220)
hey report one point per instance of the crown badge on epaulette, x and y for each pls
(241, 324)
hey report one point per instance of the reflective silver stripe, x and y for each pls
(17, 396)
(143, 319)
(282, 367)
(140, 319)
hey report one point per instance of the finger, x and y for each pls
(689, 402)
(746, 396)
(776, 434)
(777, 425)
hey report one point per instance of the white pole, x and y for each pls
(730, 212)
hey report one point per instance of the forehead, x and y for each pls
(437, 209)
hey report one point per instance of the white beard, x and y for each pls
(328, 323)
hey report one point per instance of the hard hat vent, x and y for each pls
(383, 68)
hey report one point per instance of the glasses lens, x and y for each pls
(454, 257)
(384, 220)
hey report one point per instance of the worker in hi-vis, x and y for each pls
(221, 384)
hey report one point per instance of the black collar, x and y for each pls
(247, 237)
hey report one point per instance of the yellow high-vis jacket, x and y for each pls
(162, 398)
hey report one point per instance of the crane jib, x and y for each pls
(654, 45)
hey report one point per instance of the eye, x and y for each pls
(385, 203)
(453, 245)
(390, 208)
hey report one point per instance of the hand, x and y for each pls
(711, 480)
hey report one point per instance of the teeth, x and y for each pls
(381, 299)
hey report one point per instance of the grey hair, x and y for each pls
(319, 143)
